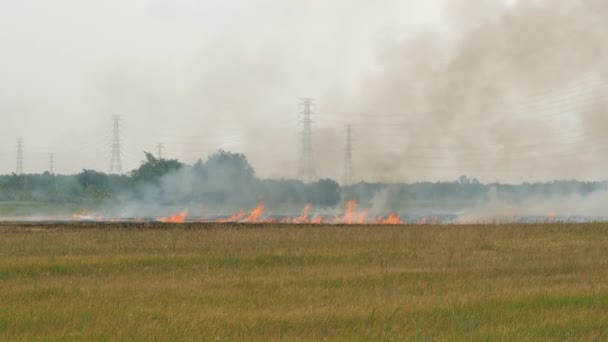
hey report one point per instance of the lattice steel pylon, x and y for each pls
(306, 168)
(348, 158)
(51, 163)
(159, 150)
(116, 161)
(19, 168)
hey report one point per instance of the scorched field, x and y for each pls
(204, 281)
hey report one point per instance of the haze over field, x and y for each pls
(172, 169)
(504, 91)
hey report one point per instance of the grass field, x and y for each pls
(215, 282)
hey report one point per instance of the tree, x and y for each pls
(232, 167)
(152, 169)
(226, 177)
(92, 178)
(95, 184)
(325, 193)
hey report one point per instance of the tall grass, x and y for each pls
(510, 282)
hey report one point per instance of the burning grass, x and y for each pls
(307, 282)
(352, 215)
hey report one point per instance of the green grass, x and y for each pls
(210, 282)
(41, 208)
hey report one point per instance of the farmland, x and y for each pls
(276, 282)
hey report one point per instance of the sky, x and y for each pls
(499, 90)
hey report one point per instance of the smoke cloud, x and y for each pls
(505, 91)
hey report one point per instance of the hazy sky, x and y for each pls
(493, 89)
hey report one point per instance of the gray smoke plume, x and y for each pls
(505, 91)
(541, 208)
(512, 92)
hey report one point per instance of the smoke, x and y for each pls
(505, 92)
(543, 208)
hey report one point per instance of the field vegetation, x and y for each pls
(272, 282)
(226, 182)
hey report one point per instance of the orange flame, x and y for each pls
(255, 214)
(391, 219)
(303, 218)
(177, 218)
(234, 218)
(317, 220)
(352, 216)
(84, 215)
(349, 214)
(362, 216)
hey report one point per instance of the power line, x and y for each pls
(19, 169)
(545, 106)
(116, 162)
(307, 171)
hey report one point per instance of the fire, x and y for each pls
(303, 218)
(317, 220)
(84, 215)
(255, 214)
(234, 218)
(177, 218)
(351, 215)
(391, 219)
(351, 210)
(253, 217)
(361, 217)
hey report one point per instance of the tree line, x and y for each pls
(227, 179)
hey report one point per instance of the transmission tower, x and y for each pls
(159, 147)
(19, 169)
(307, 171)
(51, 164)
(348, 158)
(115, 162)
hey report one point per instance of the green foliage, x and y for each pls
(229, 166)
(152, 169)
(325, 193)
(93, 179)
(94, 184)
(227, 180)
(224, 178)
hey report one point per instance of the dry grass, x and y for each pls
(456, 283)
